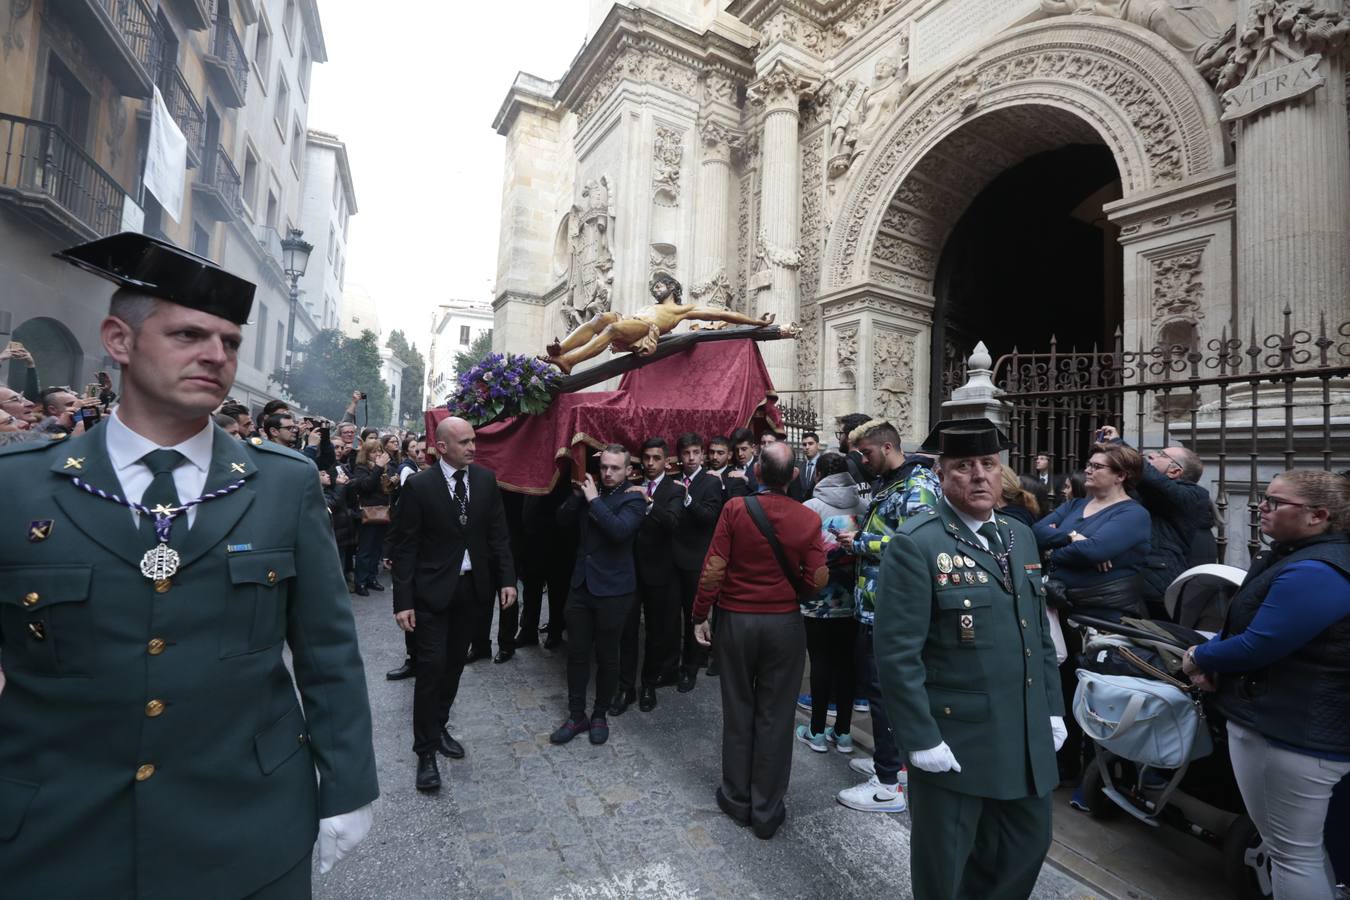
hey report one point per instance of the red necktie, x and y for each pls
(651, 488)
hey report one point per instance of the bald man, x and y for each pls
(451, 555)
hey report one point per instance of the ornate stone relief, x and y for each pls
(859, 113)
(662, 260)
(1276, 32)
(716, 291)
(846, 349)
(13, 38)
(1195, 27)
(906, 255)
(780, 88)
(719, 87)
(720, 139)
(786, 26)
(812, 238)
(775, 255)
(642, 65)
(669, 154)
(590, 274)
(1178, 288)
(859, 18)
(893, 377)
(746, 186)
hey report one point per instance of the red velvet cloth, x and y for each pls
(711, 388)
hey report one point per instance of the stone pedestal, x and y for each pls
(978, 397)
(712, 221)
(774, 282)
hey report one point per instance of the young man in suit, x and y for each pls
(743, 460)
(603, 583)
(696, 508)
(658, 597)
(451, 552)
(719, 462)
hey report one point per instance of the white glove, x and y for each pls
(938, 759)
(1058, 732)
(339, 835)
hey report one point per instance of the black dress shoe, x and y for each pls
(553, 642)
(569, 729)
(374, 586)
(622, 700)
(475, 655)
(361, 591)
(647, 699)
(449, 746)
(428, 776)
(686, 682)
(766, 830)
(599, 730)
(407, 670)
(503, 655)
(668, 680)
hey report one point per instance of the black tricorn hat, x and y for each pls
(160, 269)
(933, 443)
(971, 440)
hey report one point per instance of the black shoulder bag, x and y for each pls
(794, 578)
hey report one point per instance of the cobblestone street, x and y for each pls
(520, 818)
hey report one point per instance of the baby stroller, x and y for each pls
(1161, 747)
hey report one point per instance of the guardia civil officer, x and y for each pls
(151, 572)
(969, 679)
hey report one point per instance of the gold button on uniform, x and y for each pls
(966, 604)
(154, 708)
(162, 586)
(1024, 623)
(946, 710)
(31, 598)
(1028, 682)
(271, 576)
(155, 647)
(1028, 651)
(144, 772)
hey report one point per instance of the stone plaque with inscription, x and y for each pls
(949, 33)
(1276, 86)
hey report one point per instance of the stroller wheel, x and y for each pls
(1099, 805)
(1246, 864)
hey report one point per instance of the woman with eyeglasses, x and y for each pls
(373, 511)
(1097, 545)
(1282, 669)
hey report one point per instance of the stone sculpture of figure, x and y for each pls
(882, 100)
(1192, 26)
(639, 332)
(845, 117)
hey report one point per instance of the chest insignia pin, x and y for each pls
(237, 467)
(74, 462)
(39, 530)
(944, 563)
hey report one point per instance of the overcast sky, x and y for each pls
(413, 90)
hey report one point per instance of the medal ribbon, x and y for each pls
(1000, 558)
(163, 522)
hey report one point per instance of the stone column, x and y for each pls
(712, 215)
(778, 255)
(1293, 171)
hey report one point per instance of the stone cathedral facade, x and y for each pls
(851, 166)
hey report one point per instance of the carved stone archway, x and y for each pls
(1117, 81)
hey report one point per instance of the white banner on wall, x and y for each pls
(165, 159)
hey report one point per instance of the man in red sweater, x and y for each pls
(761, 642)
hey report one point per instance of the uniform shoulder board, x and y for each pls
(28, 446)
(272, 447)
(915, 522)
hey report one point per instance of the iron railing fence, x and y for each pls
(227, 47)
(45, 166)
(220, 174)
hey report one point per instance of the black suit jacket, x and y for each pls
(607, 528)
(654, 550)
(694, 524)
(428, 543)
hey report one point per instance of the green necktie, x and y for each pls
(161, 491)
(990, 532)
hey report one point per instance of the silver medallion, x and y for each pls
(463, 519)
(159, 563)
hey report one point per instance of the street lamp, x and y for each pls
(294, 260)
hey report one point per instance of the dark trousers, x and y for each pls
(886, 755)
(760, 656)
(659, 604)
(975, 848)
(829, 643)
(506, 631)
(559, 584)
(594, 625)
(442, 644)
(369, 553)
(692, 654)
(295, 884)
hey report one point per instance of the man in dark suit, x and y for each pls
(743, 461)
(603, 583)
(806, 472)
(658, 597)
(696, 508)
(450, 550)
(1047, 483)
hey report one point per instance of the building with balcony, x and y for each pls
(454, 328)
(329, 203)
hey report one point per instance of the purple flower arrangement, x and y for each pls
(504, 385)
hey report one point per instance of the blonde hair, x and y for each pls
(1323, 490)
(1015, 495)
(369, 447)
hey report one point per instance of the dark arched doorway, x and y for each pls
(1033, 259)
(58, 355)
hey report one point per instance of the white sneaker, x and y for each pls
(873, 796)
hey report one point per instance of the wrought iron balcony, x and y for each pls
(194, 14)
(184, 108)
(120, 35)
(216, 191)
(226, 64)
(48, 175)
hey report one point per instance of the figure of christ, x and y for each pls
(639, 332)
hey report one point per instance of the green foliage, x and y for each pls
(414, 379)
(467, 359)
(332, 366)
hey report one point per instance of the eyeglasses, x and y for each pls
(1169, 457)
(1274, 503)
(1095, 466)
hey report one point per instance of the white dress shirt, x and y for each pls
(650, 485)
(126, 448)
(974, 525)
(449, 472)
(688, 480)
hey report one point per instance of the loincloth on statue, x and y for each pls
(643, 346)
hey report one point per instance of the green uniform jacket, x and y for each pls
(963, 661)
(151, 741)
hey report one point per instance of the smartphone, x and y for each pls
(363, 395)
(91, 390)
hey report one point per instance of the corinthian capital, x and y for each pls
(781, 87)
(719, 139)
